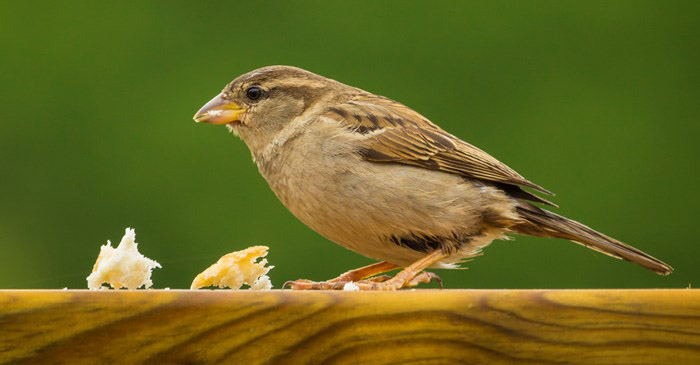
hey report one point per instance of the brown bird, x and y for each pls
(380, 179)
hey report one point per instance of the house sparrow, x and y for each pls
(378, 178)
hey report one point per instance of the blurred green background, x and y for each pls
(597, 101)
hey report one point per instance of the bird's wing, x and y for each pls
(396, 133)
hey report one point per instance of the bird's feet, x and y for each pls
(381, 282)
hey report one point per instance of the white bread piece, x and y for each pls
(351, 286)
(237, 268)
(122, 267)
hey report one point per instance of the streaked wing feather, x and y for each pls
(400, 135)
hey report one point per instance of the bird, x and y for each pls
(382, 180)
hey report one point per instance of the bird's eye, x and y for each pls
(254, 92)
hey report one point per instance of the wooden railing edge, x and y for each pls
(482, 326)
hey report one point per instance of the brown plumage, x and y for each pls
(401, 135)
(379, 178)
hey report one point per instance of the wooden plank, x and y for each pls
(419, 326)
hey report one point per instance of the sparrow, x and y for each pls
(380, 179)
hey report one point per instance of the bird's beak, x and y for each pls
(219, 111)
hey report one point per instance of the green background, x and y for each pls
(597, 101)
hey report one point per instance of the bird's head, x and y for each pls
(259, 104)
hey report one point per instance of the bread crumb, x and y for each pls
(236, 269)
(351, 286)
(123, 266)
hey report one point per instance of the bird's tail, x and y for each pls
(542, 223)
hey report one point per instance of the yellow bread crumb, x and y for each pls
(123, 266)
(237, 268)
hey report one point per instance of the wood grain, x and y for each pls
(417, 327)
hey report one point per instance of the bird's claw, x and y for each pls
(381, 282)
(424, 277)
